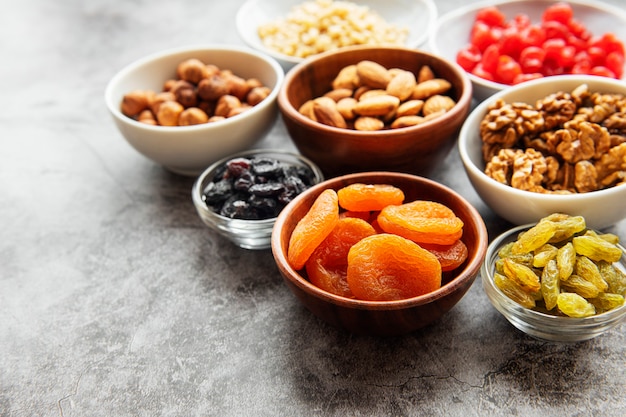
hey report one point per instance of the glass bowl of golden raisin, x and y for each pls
(557, 279)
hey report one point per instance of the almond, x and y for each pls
(372, 74)
(347, 78)
(425, 73)
(346, 107)
(367, 123)
(437, 103)
(339, 93)
(325, 110)
(410, 108)
(306, 109)
(406, 121)
(429, 88)
(402, 85)
(379, 105)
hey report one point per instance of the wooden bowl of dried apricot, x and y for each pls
(379, 253)
(365, 108)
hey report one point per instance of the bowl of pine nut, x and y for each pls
(292, 30)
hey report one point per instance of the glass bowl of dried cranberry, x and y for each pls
(557, 280)
(241, 195)
(507, 42)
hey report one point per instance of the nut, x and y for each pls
(339, 93)
(136, 101)
(257, 95)
(347, 78)
(402, 85)
(226, 104)
(406, 121)
(169, 112)
(379, 105)
(192, 70)
(437, 103)
(372, 74)
(192, 116)
(326, 112)
(367, 123)
(431, 87)
(410, 108)
(212, 88)
(346, 107)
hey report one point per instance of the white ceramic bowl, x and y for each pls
(247, 234)
(418, 16)
(542, 325)
(188, 150)
(452, 30)
(600, 208)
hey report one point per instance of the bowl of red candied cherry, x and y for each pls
(509, 42)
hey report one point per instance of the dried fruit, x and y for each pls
(574, 272)
(313, 228)
(385, 267)
(450, 256)
(327, 267)
(422, 222)
(369, 197)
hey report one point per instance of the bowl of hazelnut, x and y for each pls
(368, 108)
(551, 145)
(379, 253)
(188, 107)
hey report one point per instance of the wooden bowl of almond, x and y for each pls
(371, 108)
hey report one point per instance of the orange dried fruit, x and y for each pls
(327, 266)
(363, 215)
(369, 197)
(422, 222)
(313, 228)
(385, 267)
(450, 256)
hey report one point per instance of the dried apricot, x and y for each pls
(313, 228)
(450, 256)
(385, 267)
(369, 197)
(422, 222)
(327, 266)
(363, 215)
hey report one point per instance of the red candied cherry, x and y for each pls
(609, 42)
(534, 35)
(560, 12)
(615, 62)
(507, 69)
(491, 15)
(490, 58)
(531, 59)
(511, 43)
(468, 57)
(520, 78)
(554, 29)
(483, 35)
(480, 72)
(602, 71)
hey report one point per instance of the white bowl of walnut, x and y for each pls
(553, 145)
(292, 30)
(188, 107)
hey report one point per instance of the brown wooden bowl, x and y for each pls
(383, 318)
(416, 149)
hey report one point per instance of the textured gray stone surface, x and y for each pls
(115, 300)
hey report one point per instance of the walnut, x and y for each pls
(557, 109)
(585, 177)
(612, 161)
(528, 169)
(506, 123)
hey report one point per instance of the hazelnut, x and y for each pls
(192, 116)
(167, 85)
(207, 106)
(159, 99)
(214, 119)
(212, 88)
(257, 95)
(169, 112)
(136, 101)
(226, 104)
(147, 117)
(191, 70)
(237, 87)
(254, 82)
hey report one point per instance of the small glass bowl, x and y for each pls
(541, 325)
(247, 234)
